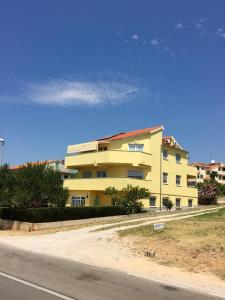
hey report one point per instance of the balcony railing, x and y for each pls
(100, 184)
(108, 157)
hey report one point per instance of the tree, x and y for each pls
(7, 185)
(129, 197)
(32, 186)
(208, 191)
(168, 203)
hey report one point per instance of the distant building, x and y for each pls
(204, 171)
(57, 165)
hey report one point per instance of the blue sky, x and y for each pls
(73, 71)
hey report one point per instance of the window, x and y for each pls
(178, 180)
(87, 174)
(136, 147)
(165, 177)
(198, 168)
(201, 176)
(102, 149)
(152, 201)
(177, 158)
(190, 202)
(165, 154)
(177, 202)
(78, 201)
(135, 174)
(101, 174)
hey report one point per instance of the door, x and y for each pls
(178, 203)
(189, 202)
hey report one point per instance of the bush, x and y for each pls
(207, 201)
(168, 203)
(128, 198)
(51, 214)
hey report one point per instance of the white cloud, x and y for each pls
(135, 37)
(72, 92)
(219, 30)
(223, 35)
(198, 25)
(178, 26)
(155, 42)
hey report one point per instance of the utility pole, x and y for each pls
(160, 169)
(2, 141)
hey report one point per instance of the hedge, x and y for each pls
(51, 214)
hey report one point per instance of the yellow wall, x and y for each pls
(117, 160)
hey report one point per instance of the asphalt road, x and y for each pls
(25, 275)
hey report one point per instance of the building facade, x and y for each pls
(204, 171)
(140, 158)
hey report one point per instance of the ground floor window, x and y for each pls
(190, 202)
(178, 202)
(152, 201)
(78, 201)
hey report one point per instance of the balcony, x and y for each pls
(191, 171)
(108, 157)
(100, 184)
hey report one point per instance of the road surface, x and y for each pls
(26, 275)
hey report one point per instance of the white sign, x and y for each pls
(159, 226)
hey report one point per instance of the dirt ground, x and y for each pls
(108, 249)
(196, 244)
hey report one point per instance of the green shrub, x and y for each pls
(51, 214)
(168, 203)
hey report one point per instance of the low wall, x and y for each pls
(27, 226)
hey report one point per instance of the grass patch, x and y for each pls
(196, 244)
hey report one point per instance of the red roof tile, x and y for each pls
(128, 134)
(44, 162)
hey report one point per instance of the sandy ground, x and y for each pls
(105, 249)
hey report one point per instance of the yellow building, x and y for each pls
(141, 158)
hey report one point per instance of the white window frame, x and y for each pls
(78, 201)
(136, 147)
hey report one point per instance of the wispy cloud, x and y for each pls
(200, 26)
(154, 42)
(71, 92)
(178, 26)
(220, 32)
(135, 36)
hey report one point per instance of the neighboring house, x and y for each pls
(57, 165)
(131, 158)
(204, 170)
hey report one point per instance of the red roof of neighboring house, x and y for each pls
(123, 135)
(200, 164)
(44, 162)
